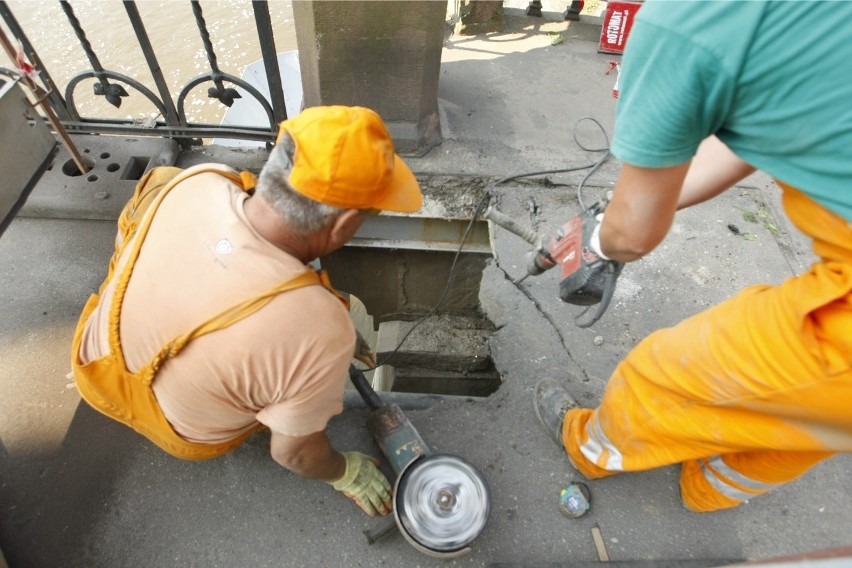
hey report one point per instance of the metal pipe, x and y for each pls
(51, 116)
(56, 99)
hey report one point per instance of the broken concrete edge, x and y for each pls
(410, 401)
(446, 196)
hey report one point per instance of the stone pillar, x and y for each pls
(381, 55)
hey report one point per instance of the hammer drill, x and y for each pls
(585, 278)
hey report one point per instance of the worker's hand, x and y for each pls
(365, 484)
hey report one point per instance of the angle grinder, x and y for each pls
(440, 502)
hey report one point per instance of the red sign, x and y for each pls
(618, 19)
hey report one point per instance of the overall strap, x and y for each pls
(230, 316)
(139, 238)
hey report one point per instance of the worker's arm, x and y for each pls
(641, 211)
(645, 199)
(310, 456)
(714, 169)
(354, 474)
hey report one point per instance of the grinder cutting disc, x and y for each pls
(442, 503)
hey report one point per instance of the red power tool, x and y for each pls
(585, 278)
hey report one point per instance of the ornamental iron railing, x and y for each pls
(172, 121)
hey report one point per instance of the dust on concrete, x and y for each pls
(452, 197)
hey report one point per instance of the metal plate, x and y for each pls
(442, 502)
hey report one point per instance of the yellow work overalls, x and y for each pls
(747, 395)
(127, 397)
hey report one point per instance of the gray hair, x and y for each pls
(299, 212)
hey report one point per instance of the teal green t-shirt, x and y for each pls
(773, 80)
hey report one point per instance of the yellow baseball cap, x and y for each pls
(345, 157)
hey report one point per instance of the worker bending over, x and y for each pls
(210, 323)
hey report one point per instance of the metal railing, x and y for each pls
(173, 122)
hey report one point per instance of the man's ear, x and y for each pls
(344, 227)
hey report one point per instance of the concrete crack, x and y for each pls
(548, 318)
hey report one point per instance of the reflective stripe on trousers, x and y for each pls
(747, 395)
(730, 483)
(599, 449)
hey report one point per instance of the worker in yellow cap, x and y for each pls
(210, 323)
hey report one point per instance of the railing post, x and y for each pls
(534, 8)
(270, 59)
(572, 12)
(153, 65)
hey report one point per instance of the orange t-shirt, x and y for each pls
(284, 366)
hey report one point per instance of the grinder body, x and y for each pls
(399, 441)
(441, 503)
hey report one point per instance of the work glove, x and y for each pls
(365, 484)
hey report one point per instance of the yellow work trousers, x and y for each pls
(747, 395)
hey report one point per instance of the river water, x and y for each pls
(174, 36)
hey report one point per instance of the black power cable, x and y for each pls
(594, 167)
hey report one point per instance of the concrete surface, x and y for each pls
(79, 490)
(115, 166)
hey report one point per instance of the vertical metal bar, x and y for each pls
(225, 96)
(270, 59)
(208, 45)
(145, 43)
(112, 93)
(84, 41)
(56, 100)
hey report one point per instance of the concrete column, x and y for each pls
(382, 55)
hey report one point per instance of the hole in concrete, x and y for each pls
(69, 168)
(113, 167)
(104, 155)
(92, 177)
(135, 167)
(398, 267)
(86, 150)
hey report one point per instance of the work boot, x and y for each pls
(551, 403)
